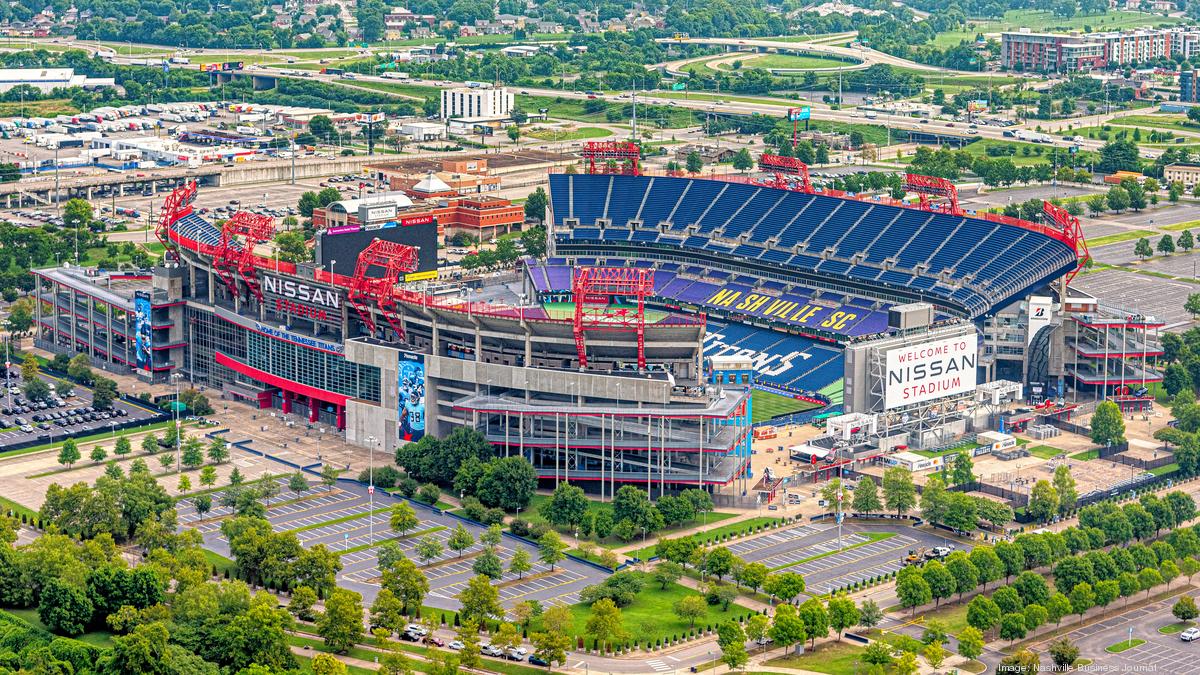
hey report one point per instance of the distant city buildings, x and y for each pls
(1058, 52)
(477, 103)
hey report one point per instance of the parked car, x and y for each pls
(456, 644)
(490, 650)
(1190, 634)
(536, 660)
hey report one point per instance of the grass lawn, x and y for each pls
(1179, 227)
(1084, 456)
(1124, 645)
(1044, 451)
(219, 561)
(417, 91)
(835, 658)
(1121, 236)
(7, 504)
(792, 61)
(709, 536)
(1165, 469)
(576, 134)
(573, 109)
(99, 638)
(979, 149)
(1177, 627)
(766, 405)
(950, 451)
(46, 108)
(651, 616)
(954, 616)
(1043, 21)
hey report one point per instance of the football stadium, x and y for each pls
(671, 315)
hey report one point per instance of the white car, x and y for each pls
(417, 629)
(491, 650)
(1190, 634)
(456, 645)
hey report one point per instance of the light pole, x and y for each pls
(371, 488)
(178, 432)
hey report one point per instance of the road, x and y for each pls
(864, 54)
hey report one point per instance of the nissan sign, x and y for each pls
(931, 370)
(302, 300)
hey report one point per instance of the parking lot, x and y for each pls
(343, 519)
(1161, 653)
(23, 421)
(812, 551)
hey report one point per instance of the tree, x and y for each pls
(1108, 426)
(551, 549)
(321, 127)
(960, 567)
(535, 209)
(1043, 501)
(912, 589)
(1142, 248)
(1186, 241)
(604, 623)
(899, 493)
(20, 319)
(387, 611)
(327, 664)
(1118, 200)
(939, 580)
(520, 563)
(1082, 598)
(970, 643)
(963, 472)
(694, 163)
(1064, 653)
(76, 213)
(690, 607)
(869, 614)
(1012, 626)
(218, 453)
(302, 602)
(480, 600)
(732, 641)
(933, 500)
(64, 608)
(935, 654)
(785, 586)
(342, 622)
(987, 564)
(787, 628)
(1024, 662)
(203, 504)
(567, 505)
(192, 455)
(551, 647)
(460, 540)
(79, 369)
(742, 160)
(508, 483)
(1165, 244)
(1192, 305)
(842, 614)
(1064, 487)
(407, 583)
(104, 392)
(866, 497)
(98, 454)
(1184, 609)
(68, 454)
(667, 573)
(514, 133)
(488, 564)
(878, 654)
(403, 518)
(982, 613)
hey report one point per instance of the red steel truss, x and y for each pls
(395, 259)
(1072, 234)
(624, 153)
(932, 186)
(593, 288)
(785, 167)
(237, 255)
(177, 205)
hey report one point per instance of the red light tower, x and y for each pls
(785, 167)
(1072, 234)
(932, 186)
(395, 259)
(237, 255)
(594, 288)
(624, 153)
(177, 205)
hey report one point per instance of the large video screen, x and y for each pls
(410, 403)
(343, 244)
(142, 326)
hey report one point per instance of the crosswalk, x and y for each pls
(657, 665)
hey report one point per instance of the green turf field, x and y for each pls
(765, 405)
(566, 310)
(789, 61)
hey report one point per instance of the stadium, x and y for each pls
(667, 309)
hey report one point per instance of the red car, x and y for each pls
(435, 640)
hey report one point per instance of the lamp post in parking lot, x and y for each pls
(371, 488)
(178, 445)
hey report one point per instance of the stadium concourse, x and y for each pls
(786, 274)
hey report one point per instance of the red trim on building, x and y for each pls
(282, 383)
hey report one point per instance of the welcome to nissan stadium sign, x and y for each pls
(931, 370)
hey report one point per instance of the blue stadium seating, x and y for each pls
(994, 262)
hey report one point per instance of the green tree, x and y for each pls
(912, 589)
(403, 518)
(1185, 241)
(694, 163)
(1192, 305)
(551, 647)
(341, 624)
(193, 453)
(567, 506)
(742, 160)
(430, 547)
(605, 624)
(488, 564)
(218, 451)
(1043, 500)
(387, 611)
(302, 603)
(1184, 608)
(407, 583)
(939, 580)
(982, 613)
(1082, 598)
(732, 641)
(77, 213)
(68, 454)
(98, 454)
(460, 540)
(787, 628)
(1064, 653)
(1108, 426)
(970, 642)
(551, 549)
(963, 471)
(899, 493)
(520, 563)
(1012, 627)
(966, 576)
(1166, 245)
(480, 600)
(535, 209)
(689, 608)
(64, 608)
(1142, 248)
(843, 614)
(866, 497)
(1064, 487)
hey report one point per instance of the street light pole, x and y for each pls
(371, 488)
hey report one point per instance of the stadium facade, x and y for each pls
(629, 355)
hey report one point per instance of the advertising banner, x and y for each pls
(343, 229)
(410, 399)
(799, 114)
(143, 327)
(931, 370)
(421, 276)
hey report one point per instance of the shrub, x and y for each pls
(519, 527)
(385, 476)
